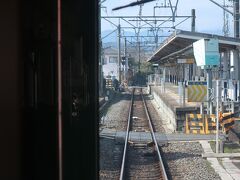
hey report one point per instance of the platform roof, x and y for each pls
(179, 45)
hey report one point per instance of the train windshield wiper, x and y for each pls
(132, 4)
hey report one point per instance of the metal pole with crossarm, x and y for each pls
(119, 53)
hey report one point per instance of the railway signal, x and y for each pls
(123, 60)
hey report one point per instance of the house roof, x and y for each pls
(179, 45)
(111, 51)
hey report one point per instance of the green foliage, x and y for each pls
(228, 147)
(146, 68)
(139, 79)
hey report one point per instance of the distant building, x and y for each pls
(110, 63)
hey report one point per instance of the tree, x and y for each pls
(146, 68)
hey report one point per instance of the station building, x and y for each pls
(175, 74)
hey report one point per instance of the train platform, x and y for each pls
(169, 103)
(171, 107)
(173, 99)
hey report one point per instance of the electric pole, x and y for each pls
(119, 53)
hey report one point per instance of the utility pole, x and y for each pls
(139, 57)
(193, 21)
(119, 53)
(191, 69)
(138, 40)
(225, 21)
(125, 60)
(154, 23)
(235, 14)
(156, 41)
(236, 18)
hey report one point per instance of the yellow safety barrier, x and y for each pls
(194, 124)
(210, 124)
(197, 124)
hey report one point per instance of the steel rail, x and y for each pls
(122, 172)
(102, 106)
(155, 141)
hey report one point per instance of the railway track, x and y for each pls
(141, 160)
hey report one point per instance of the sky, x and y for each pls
(209, 17)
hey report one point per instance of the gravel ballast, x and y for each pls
(110, 153)
(184, 162)
(110, 159)
(116, 112)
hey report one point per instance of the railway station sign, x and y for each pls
(206, 52)
(197, 91)
(185, 61)
(155, 65)
(170, 64)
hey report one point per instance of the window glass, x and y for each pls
(112, 59)
(105, 60)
